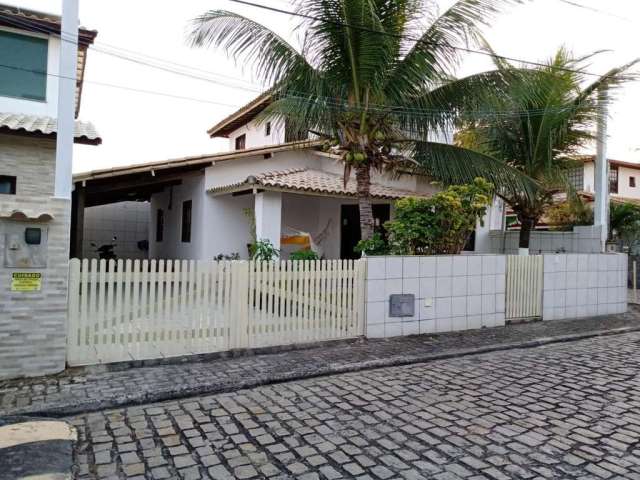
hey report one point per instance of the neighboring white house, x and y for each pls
(202, 207)
(34, 220)
(624, 178)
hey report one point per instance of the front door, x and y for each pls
(350, 227)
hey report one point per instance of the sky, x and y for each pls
(139, 127)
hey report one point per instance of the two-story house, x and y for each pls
(624, 179)
(34, 220)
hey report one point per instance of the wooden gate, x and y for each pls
(524, 286)
(135, 310)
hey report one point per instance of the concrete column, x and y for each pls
(601, 207)
(268, 211)
(493, 220)
(66, 98)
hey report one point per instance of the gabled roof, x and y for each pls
(618, 163)
(40, 22)
(240, 117)
(17, 123)
(306, 180)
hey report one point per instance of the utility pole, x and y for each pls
(66, 98)
(601, 209)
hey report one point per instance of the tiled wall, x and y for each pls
(581, 285)
(580, 240)
(451, 293)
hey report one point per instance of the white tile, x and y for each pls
(572, 279)
(443, 307)
(488, 284)
(410, 328)
(547, 314)
(571, 312)
(376, 290)
(612, 262)
(549, 281)
(458, 306)
(501, 264)
(561, 263)
(582, 311)
(489, 320)
(501, 321)
(375, 331)
(592, 310)
(376, 312)
(500, 303)
(474, 322)
(443, 286)
(444, 325)
(459, 267)
(571, 297)
(393, 267)
(592, 296)
(602, 279)
(393, 330)
(572, 263)
(559, 298)
(459, 287)
(427, 266)
(623, 295)
(427, 313)
(411, 286)
(474, 265)
(392, 287)
(410, 267)
(592, 262)
(501, 283)
(474, 285)
(583, 280)
(444, 266)
(549, 263)
(583, 262)
(593, 279)
(488, 304)
(559, 313)
(488, 265)
(376, 268)
(603, 309)
(427, 326)
(474, 305)
(427, 287)
(561, 280)
(459, 324)
(612, 278)
(612, 295)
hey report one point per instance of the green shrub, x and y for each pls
(304, 255)
(263, 250)
(441, 224)
(376, 245)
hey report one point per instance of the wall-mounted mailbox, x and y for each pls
(402, 305)
(25, 245)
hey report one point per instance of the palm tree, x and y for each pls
(374, 82)
(537, 125)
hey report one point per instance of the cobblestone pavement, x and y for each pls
(81, 390)
(566, 411)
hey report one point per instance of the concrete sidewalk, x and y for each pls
(85, 390)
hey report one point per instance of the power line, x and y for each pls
(407, 37)
(596, 10)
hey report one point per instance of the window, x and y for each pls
(7, 185)
(613, 179)
(632, 182)
(23, 66)
(575, 176)
(241, 142)
(159, 225)
(267, 129)
(186, 221)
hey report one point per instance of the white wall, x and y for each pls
(172, 247)
(452, 293)
(128, 221)
(581, 240)
(49, 107)
(226, 228)
(256, 134)
(577, 286)
(624, 190)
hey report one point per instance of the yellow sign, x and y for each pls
(26, 282)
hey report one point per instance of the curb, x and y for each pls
(218, 388)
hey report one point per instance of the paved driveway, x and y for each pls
(565, 411)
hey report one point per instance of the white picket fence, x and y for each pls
(136, 310)
(524, 286)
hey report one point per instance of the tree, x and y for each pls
(624, 222)
(373, 82)
(537, 124)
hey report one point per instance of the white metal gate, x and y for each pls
(524, 286)
(135, 310)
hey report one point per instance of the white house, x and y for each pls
(624, 178)
(202, 207)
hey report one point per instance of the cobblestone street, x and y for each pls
(566, 411)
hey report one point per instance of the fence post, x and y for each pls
(73, 299)
(359, 294)
(239, 305)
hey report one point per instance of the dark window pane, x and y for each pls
(7, 185)
(632, 182)
(267, 129)
(23, 66)
(575, 176)
(160, 225)
(241, 142)
(186, 221)
(613, 179)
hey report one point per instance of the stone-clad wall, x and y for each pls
(451, 293)
(33, 325)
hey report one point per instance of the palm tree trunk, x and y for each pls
(527, 224)
(363, 188)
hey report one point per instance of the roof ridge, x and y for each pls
(277, 173)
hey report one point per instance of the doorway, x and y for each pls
(350, 227)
